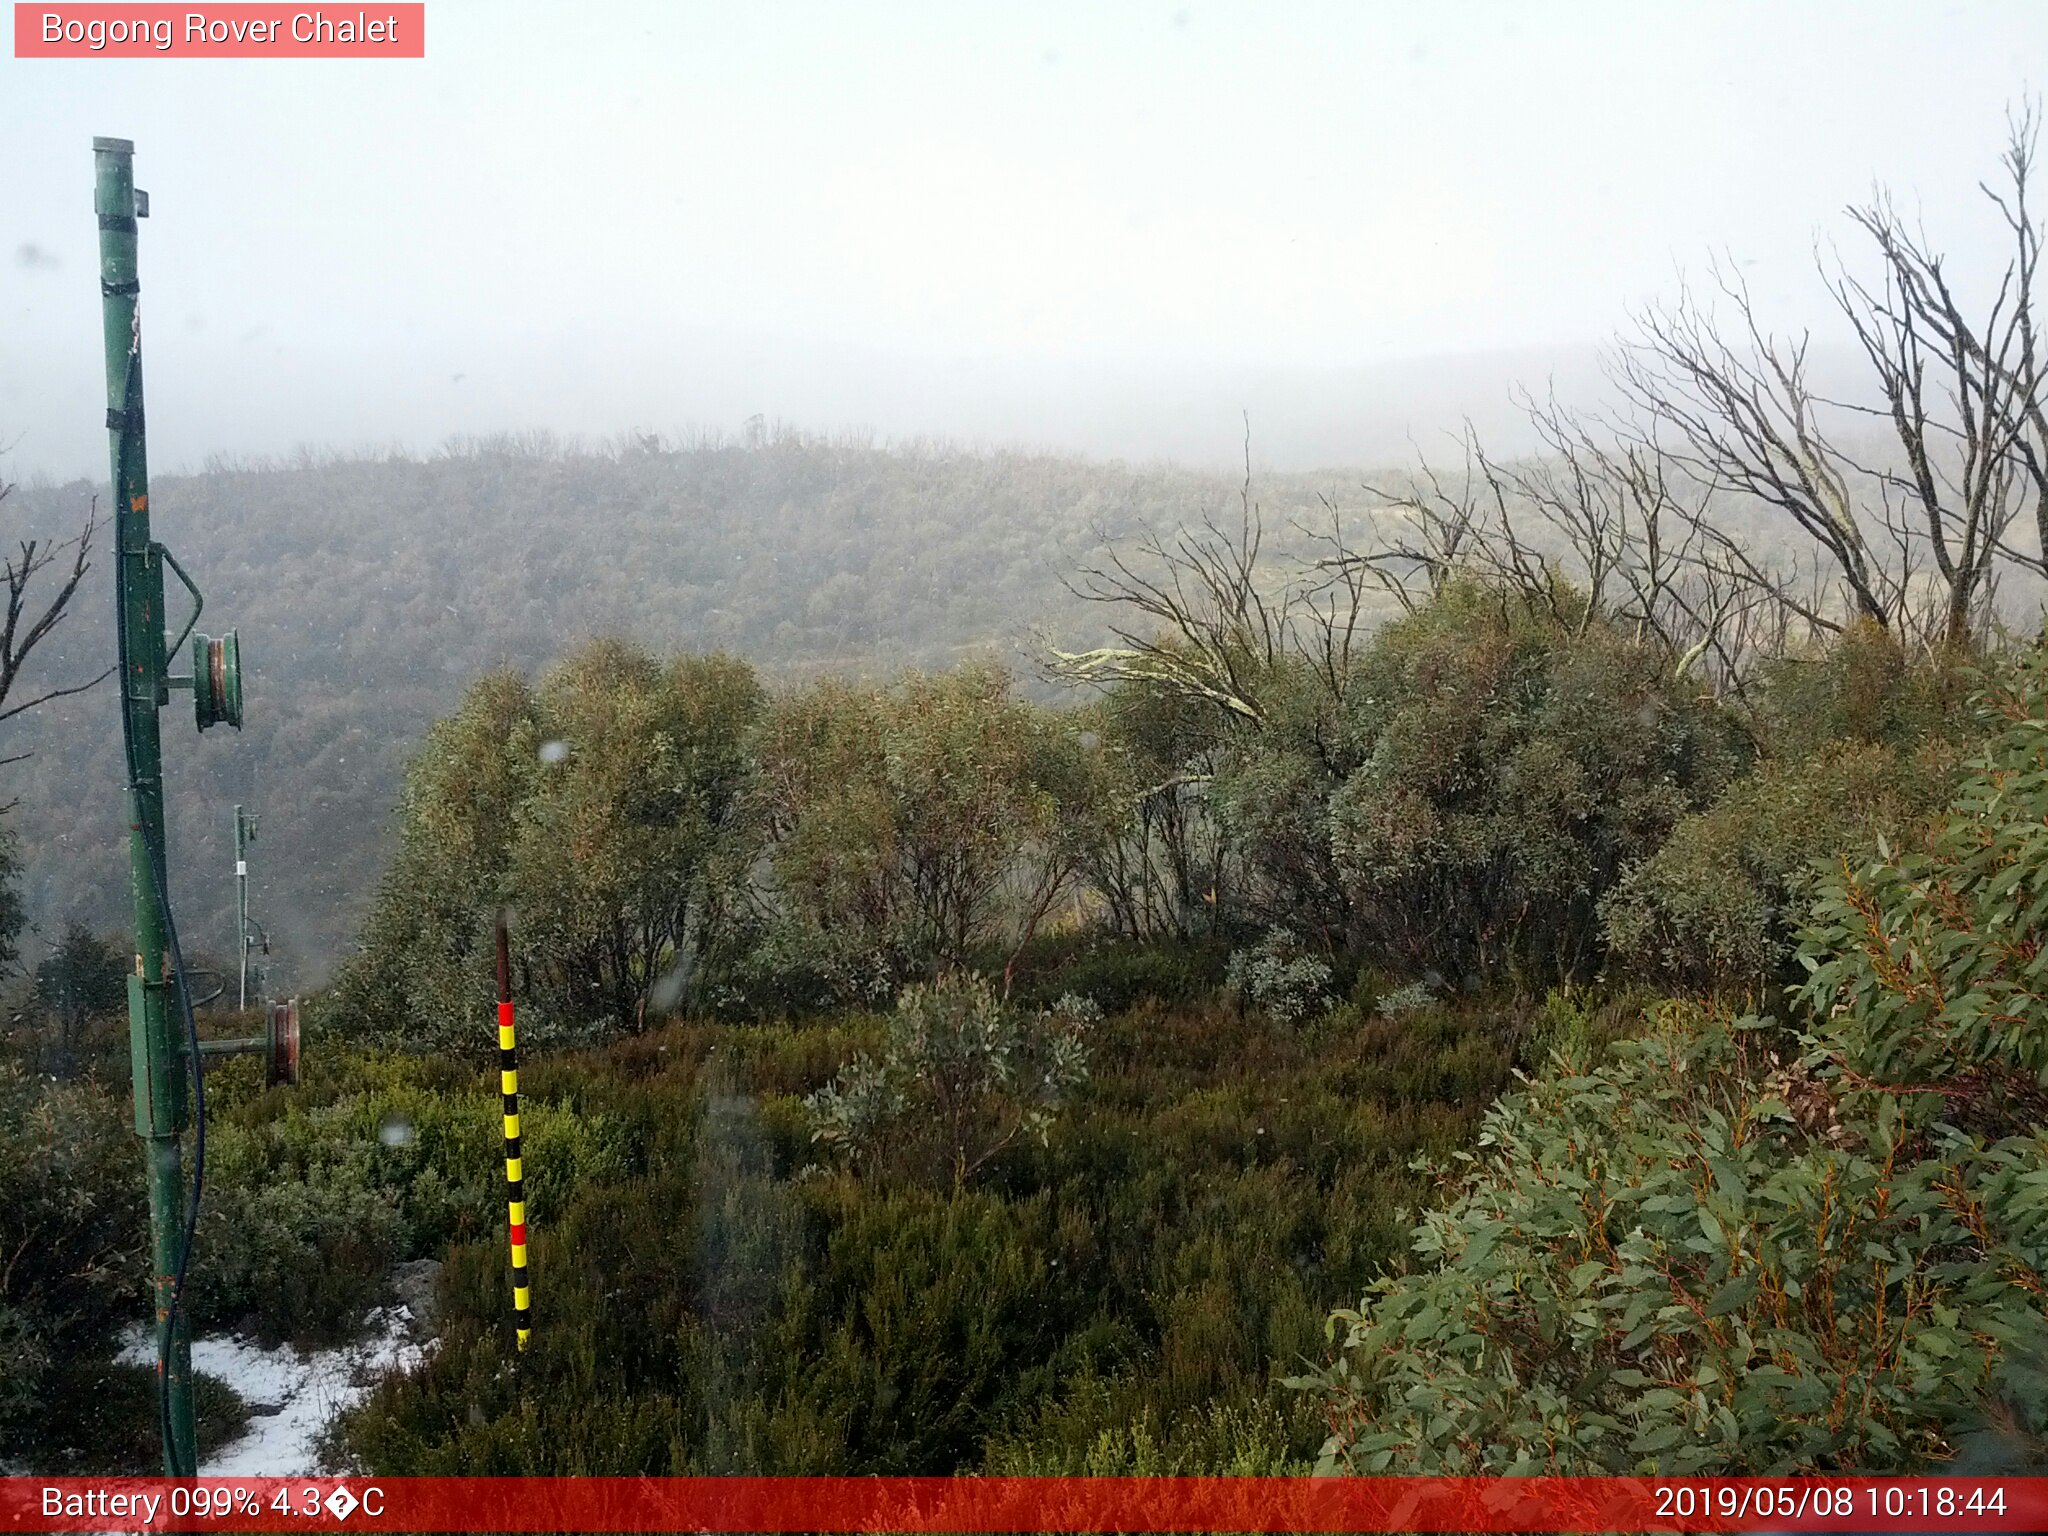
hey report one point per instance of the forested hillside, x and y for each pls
(369, 591)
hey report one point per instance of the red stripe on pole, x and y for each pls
(504, 1014)
(930, 1504)
(519, 1232)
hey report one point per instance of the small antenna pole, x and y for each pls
(245, 834)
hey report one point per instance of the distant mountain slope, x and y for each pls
(370, 591)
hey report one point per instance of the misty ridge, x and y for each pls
(371, 588)
(373, 585)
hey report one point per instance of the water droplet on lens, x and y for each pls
(666, 995)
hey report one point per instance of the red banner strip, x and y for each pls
(376, 30)
(974, 1504)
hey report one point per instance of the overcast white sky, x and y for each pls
(1105, 226)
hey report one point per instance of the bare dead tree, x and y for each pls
(1632, 521)
(1652, 552)
(1913, 544)
(1207, 618)
(1423, 533)
(1601, 525)
(31, 616)
(1645, 552)
(1746, 420)
(1975, 439)
(1465, 523)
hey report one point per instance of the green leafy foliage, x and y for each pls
(1269, 789)
(1714, 908)
(304, 1259)
(1409, 997)
(101, 1418)
(1278, 975)
(73, 1238)
(1509, 769)
(1661, 1266)
(1700, 1257)
(1863, 687)
(921, 821)
(1862, 745)
(666, 834)
(1455, 791)
(607, 807)
(633, 839)
(1116, 974)
(961, 1077)
(313, 1194)
(1925, 966)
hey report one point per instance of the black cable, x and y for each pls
(163, 898)
(153, 848)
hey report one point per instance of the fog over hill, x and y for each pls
(268, 394)
(369, 591)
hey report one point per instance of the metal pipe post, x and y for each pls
(156, 1044)
(245, 834)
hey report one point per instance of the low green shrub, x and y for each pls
(1143, 1275)
(1094, 1432)
(962, 1076)
(785, 970)
(102, 1419)
(1281, 976)
(1715, 907)
(1410, 997)
(1672, 1265)
(1863, 688)
(1117, 975)
(1727, 1249)
(301, 1260)
(73, 1239)
(311, 1199)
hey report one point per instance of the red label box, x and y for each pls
(232, 31)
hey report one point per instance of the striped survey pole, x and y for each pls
(515, 1174)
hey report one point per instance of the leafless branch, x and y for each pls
(26, 622)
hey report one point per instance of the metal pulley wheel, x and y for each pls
(217, 680)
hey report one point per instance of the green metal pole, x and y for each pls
(156, 1043)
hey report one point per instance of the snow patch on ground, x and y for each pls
(292, 1397)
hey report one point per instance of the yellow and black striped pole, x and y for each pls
(515, 1173)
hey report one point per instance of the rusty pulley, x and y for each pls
(217, 680)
